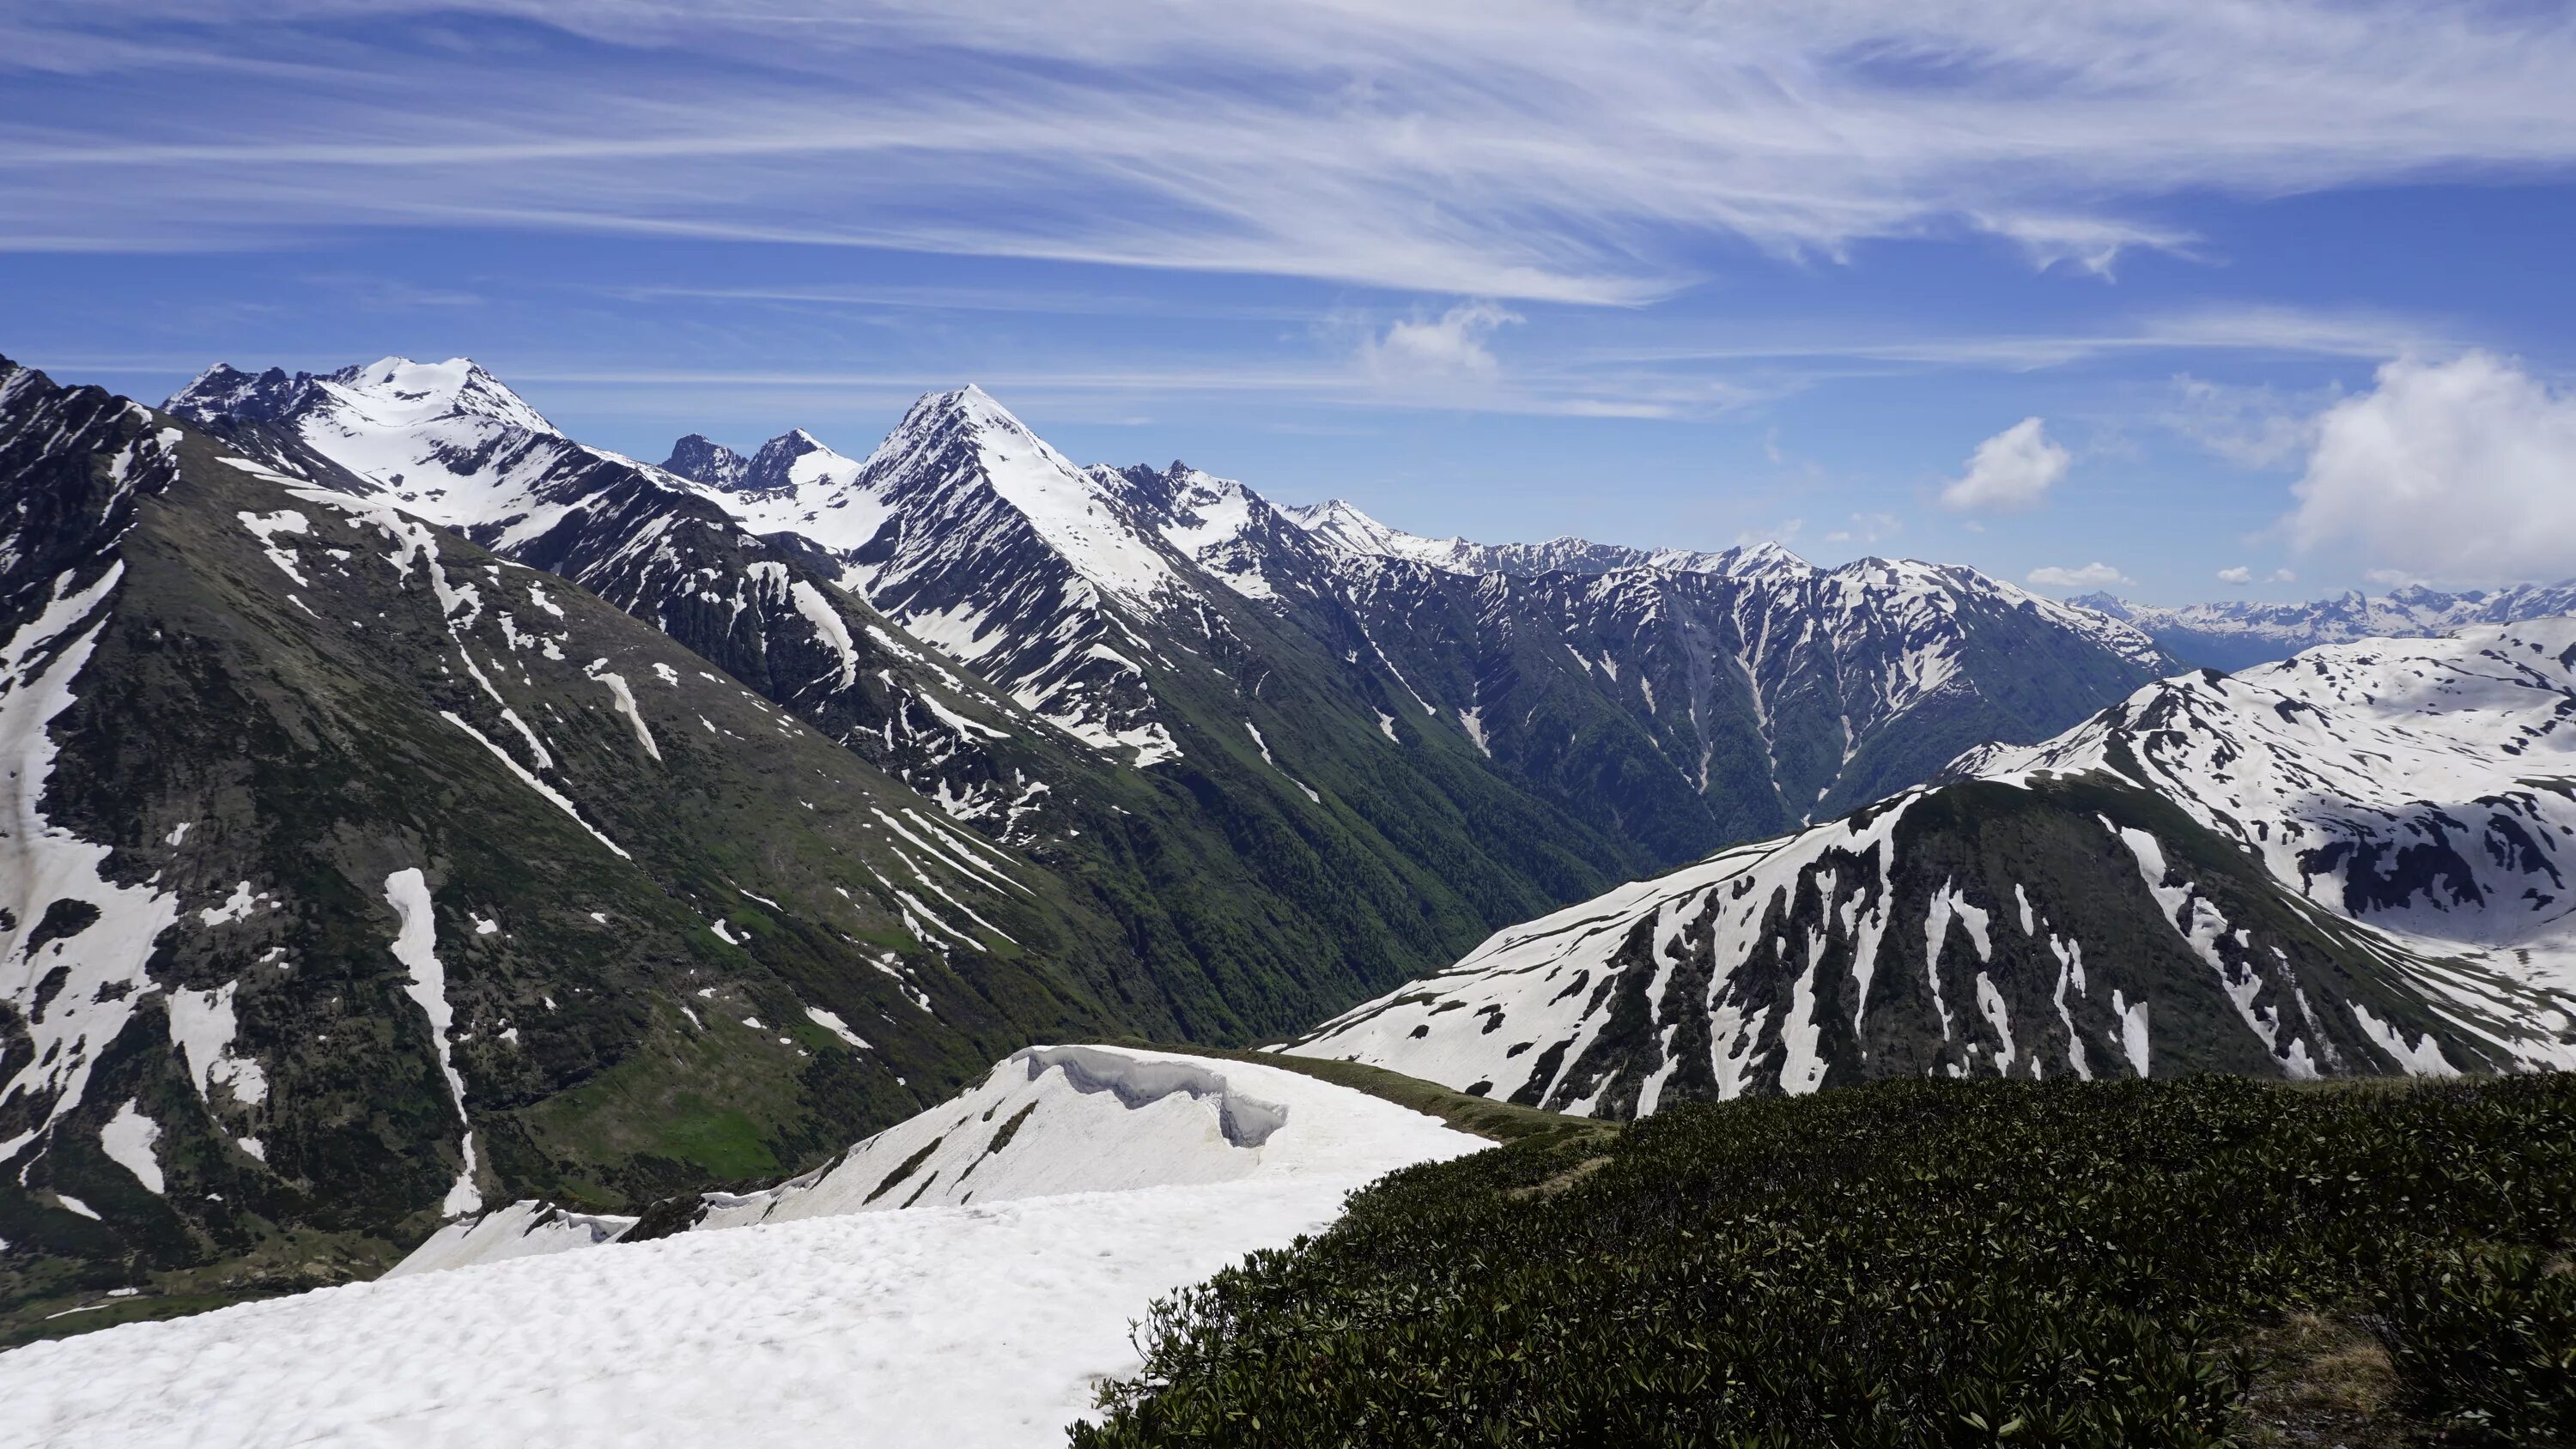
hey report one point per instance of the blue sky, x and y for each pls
(2284, 285)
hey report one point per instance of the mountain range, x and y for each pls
(2353, 862)
(2237, 634)
(415, 807)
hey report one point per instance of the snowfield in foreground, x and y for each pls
(941, 1325)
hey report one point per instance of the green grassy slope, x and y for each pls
(2202, 1261)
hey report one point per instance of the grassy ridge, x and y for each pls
(1911, 1263)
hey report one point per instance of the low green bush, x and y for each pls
(1930, 1263)
(2485, 1334)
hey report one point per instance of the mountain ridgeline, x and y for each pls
(2353, 863)
(415, 808)
(2238, 634)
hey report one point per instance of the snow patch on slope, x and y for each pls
(414, 945)
(983, 1325)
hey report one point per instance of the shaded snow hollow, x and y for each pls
(979, 1324)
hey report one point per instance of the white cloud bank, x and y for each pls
(2462, 471)
(2095, 575)
(2239, 575)
(2010, 472)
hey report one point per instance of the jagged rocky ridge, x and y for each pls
(2353, 862)
(2237, 634)
(1505, 740)
(376, 858)
(354, 875)
(1258, 898)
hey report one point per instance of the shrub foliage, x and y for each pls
(1905, 1264)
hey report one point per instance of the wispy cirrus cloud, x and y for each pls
(1537, 150)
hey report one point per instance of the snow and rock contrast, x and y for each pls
(757, 798)
(961, 1279)
(2235, 634)
(2352, 862)
(1725, 693)
(354, 877)
(1344, 527)
(1157, 677)
(449, 443)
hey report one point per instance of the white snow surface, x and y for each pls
(942, 1326)
(524, 1229)
(128, 1139)
(415, 946)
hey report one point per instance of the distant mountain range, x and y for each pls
(417, 807)
(2237, 634)
(2354, 862)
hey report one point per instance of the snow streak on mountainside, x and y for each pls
(1349, 530)
(352, 875)
(1108, 1177)
(449, 443)
(2352, 862)
(2237, 634)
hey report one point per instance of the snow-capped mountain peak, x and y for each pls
(1760, 560)
(448, 440)
(796, 466)
(1344, 526)
(395, 392)
(963, 438)
(387, 394)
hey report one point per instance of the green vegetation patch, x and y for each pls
(1914, 1263)
(1002, 1136)
(904, 1169)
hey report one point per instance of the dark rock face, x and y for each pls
(702, 459)
(358, 874)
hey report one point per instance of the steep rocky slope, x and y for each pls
(1231, 721)
(2352, 862)
(354, 875)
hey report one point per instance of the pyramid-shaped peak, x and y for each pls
(969, 406)
(1770, 552)
(781, 463)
